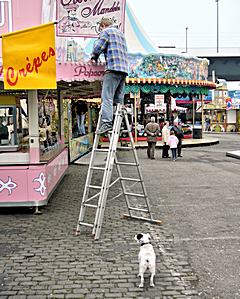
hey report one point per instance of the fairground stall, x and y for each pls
(222, 113)
(33, 156)
(158, 79)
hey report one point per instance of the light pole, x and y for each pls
(186, 40)
(217, 1)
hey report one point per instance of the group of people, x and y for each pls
(171, 138)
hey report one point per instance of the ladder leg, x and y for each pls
(108, 172)
(89, 176)
(137, 163)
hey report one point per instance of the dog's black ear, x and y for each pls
(139, 236)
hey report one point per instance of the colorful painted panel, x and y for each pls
(167, 66)
(80, 146)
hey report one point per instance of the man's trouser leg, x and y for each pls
(112, 91)
(149, 150)
(165, 150)
(153, 145)
(179, 148)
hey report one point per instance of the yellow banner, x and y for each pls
(29, 58)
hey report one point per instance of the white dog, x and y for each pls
(146, 257)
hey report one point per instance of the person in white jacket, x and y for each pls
(165, 136)
(173, 143)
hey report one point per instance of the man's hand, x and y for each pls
(92, 61)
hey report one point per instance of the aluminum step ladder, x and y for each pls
(137, 202)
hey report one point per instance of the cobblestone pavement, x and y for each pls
(40, 256)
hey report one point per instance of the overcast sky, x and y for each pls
(165, 21)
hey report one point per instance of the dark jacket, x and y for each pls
(178, 131)
(152, 128)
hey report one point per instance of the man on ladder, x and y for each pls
(112, 44)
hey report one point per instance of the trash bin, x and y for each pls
(197, 133)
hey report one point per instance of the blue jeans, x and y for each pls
(174, 153)
(112, 92)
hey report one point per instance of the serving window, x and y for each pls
(13, 125)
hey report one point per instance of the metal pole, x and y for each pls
(202, 103)
(217, 1)
(135, 117)
(34, 145)
(213, 76)
(186, 39)
(193, 111)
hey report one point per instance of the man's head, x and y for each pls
(153, 119)
(105, 22)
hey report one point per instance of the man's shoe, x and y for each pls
(180, 156)
(105, 127)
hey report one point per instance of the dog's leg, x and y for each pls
(151, 280)
(152, 269)
(142, 280)
(141, 271)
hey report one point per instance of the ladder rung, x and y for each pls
(98, 168)
(158, 222)
(94, 187)
(130, 179)
(89, 205)
(101, 150)
(134, 194)
(137, 209)
(126, 163)
(124, 148)
(86, 224)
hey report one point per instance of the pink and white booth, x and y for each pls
(33, 154)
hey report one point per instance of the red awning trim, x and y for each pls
(171, 82)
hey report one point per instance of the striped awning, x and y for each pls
(164, 81)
